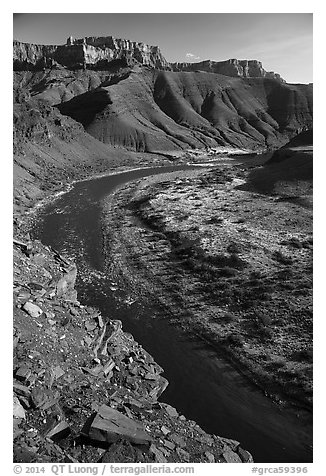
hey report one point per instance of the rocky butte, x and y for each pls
(231, 67)
(88, 52)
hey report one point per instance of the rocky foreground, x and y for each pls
(84, 390)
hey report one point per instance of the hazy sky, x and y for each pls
(282, 41)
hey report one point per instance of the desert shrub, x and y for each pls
(285, 273)
(215, 219)
(307, 243)
(266, 333)
(227, 272)
(281, 258)
(235, 340)
(305, 355)
(181, 216)
(263, 319)
(234, 248)
(227, 317)
(291, 286)
(137, 203)
(275, 364)
(258, 291)
(287, 374)
(293, 242)
(255, 275)
(232, 261)
(304, 284)
(158, 236)
(185, 245)
(253, 282)
(265, 287)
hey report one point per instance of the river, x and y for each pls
(203, 386)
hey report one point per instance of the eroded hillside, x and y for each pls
(148, 110)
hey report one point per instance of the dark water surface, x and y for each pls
(202, 386)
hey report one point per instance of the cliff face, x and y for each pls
(99, 52)
(85, 53)
(231, 67)
(30, 56)
(100, 85)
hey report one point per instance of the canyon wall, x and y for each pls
(231, 67)
(88, 52)
(99, 52)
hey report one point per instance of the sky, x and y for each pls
(281, 41)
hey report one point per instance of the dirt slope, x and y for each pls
(147, 110)
(51, 150)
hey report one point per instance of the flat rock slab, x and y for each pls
(109, 425)
(59, 431)
(170, 410)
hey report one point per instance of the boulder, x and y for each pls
(122, 452)
(165, 430)
(160, 385)
(21, 390)
(18, 410)
(159, 457)
(41, 397)
(109, 426)
(170, 410)
(23, 373)
(183, 455)
(169, 444)
(178, 440)
(231, 457)
(245, 456)
(210, 457)
(65, 287)
(59, 431)
(32, 309)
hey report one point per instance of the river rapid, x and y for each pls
(203, 386)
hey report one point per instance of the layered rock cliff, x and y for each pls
(90, 52)
(99, 52)
(231, 67)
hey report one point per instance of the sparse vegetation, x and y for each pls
(214, 220)
(281, 258)
(234, 248)
(246, 288)
(293, 242)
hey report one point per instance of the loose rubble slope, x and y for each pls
(84, 390)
